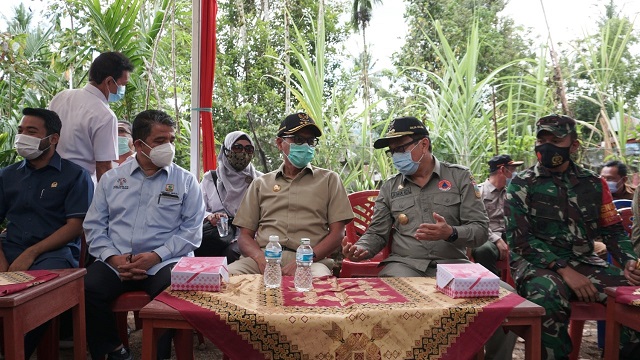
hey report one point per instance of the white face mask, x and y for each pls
(161, 155)
(29, 146)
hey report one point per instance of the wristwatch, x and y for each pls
(454, 235)
(559, 264)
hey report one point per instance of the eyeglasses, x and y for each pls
(238, 148)
(402, 148)
(299, 140)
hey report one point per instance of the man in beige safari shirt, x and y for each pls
(296, 201)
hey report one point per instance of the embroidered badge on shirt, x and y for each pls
(168, 188)
(54, 184)
(121, 183)
(444, 185)
(276, 188)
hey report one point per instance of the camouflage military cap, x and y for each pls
(401, 127)
(558, 125)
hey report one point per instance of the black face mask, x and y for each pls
(551, 156)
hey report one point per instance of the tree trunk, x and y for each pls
(365, 94)
(287, 60)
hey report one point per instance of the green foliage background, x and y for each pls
(472, 75)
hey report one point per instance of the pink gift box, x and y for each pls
(466, 280)
(199, 273)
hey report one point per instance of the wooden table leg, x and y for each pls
(79, 330)
(612, 333)
(533, 342)
(13, 338)
(183, 341)
(149, 340)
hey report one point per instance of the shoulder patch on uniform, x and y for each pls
(476, 188)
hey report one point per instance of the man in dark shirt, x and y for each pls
(615, 173)
(44, 198)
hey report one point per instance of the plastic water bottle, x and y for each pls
(273, 255)
(303, 280)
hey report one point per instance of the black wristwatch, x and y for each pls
(454, 235)
(559, 264)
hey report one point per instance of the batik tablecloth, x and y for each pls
(14, 281)
(371, 318)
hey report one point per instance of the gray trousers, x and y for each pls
(487, 255)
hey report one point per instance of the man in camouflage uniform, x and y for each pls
(435, 210)
(554, 211)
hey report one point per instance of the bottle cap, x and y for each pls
(274, 238)
(305, 241)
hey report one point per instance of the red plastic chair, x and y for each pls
(627, 219)
(505, 270)
(362, 203)
(131, 301)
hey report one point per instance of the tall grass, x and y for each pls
(456, 103)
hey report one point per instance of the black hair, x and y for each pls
(144, 121)
(622, 167)
(109, 64)
(52, 122)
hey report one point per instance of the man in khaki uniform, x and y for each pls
(493, 192)
(434, 207)
(296, 201)
(435, 210)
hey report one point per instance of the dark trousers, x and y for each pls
(101, 287)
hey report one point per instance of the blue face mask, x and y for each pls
(613, 186)
(123, 145)
(301, 155)
(119, 93)
(405, 165)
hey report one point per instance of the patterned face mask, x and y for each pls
(239, 161)
(551, 156)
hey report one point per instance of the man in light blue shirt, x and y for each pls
(145, 215)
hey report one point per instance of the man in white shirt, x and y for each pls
(90, 133)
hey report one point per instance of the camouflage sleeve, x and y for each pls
(377, 234)
(635, 233)
(520, 236)
(611, 229)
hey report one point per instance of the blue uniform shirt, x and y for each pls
(132, 213)
(36, 203)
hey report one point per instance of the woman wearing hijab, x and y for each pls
(223, 190)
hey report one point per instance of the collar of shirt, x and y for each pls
(134, 166)
(436, 170)
(571, 175)
(489, 186)
(307, 169)
(96, 92)
(55, 162)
